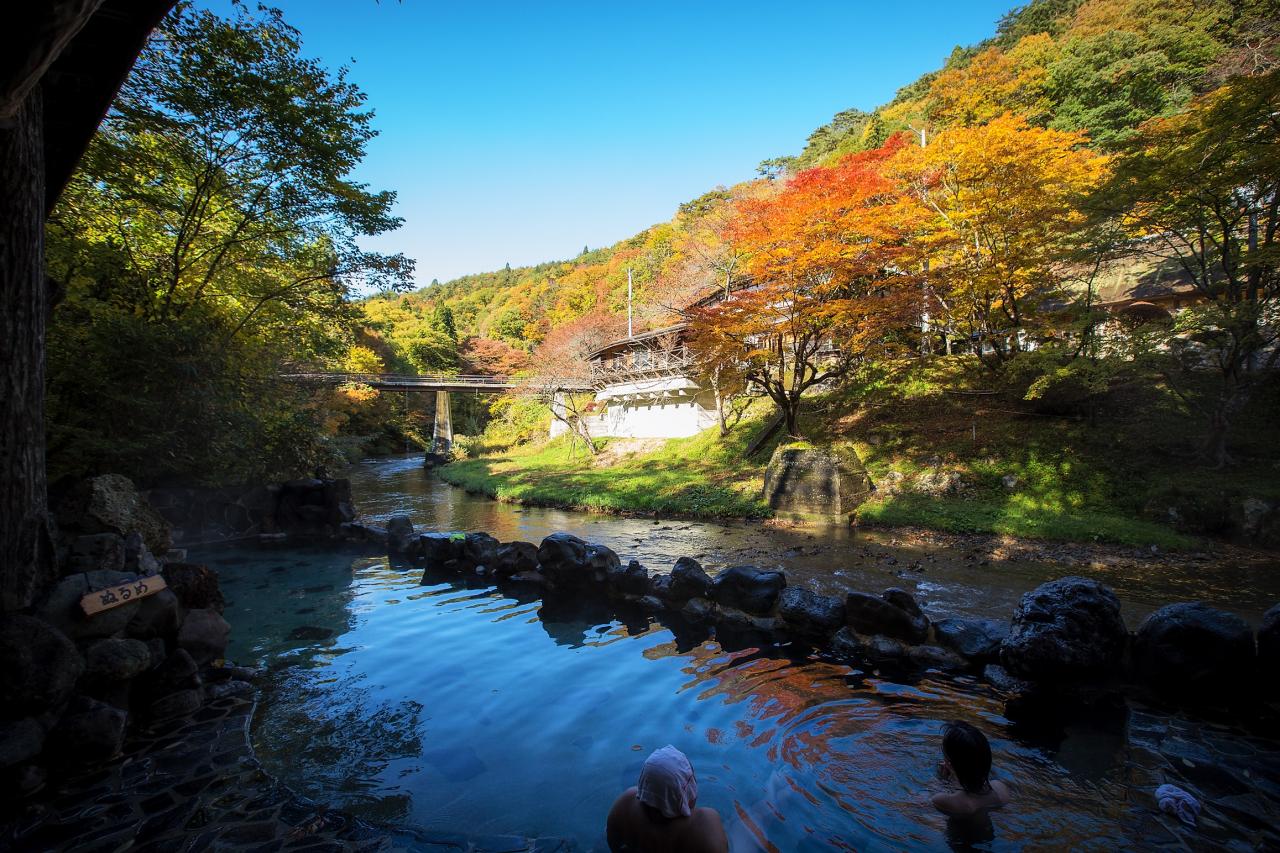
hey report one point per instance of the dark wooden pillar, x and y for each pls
(26, 558)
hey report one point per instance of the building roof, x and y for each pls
(627, 343)
(1141, 278)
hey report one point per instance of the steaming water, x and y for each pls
(466, 710)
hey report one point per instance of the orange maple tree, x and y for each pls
(831, 267)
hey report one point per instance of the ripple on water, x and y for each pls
(463, 709)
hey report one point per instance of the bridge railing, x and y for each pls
(409, 379)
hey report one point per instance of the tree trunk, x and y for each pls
(26, 547)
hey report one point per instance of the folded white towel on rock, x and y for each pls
(1178, 803)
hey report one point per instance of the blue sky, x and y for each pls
(521, 131)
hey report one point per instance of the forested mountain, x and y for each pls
(1099, 67)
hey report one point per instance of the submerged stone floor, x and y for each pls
(194, 785)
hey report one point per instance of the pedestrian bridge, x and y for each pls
(410, 382)
(441, 384)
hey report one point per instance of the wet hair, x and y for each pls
(967, 751)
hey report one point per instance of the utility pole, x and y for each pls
(629, 302)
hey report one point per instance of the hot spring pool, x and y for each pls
(467, 710)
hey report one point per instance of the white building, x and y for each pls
(645, 388)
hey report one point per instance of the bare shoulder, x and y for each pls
(707, 831)
(1002, 791)
(623, 802)
(953, 805)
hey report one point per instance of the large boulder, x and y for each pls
(38, 666)
(749, 589)
(1065, 630)
(570, 561)
(899, 618)
(877, 648)
(631, 580)
(110, 504)
(115, 660)
(440, 551)
(20, 740)
(399, 534)
(480, 549)
(204, 635)
(515, 557)
(688, 580)
(978, 640)
(195, 585)
(88, 733)
(98, 551)
(809, 614)
(1194, 650)
(61, 608)
(159, 615)
(1269, 649)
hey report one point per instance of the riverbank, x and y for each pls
(945, 453)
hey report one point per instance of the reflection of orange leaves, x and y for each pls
(715, 736)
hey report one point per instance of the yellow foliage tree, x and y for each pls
(1003, 198)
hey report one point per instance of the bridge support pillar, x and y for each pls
(559, 422)
(442, 434)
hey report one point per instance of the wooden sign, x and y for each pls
(114, 596)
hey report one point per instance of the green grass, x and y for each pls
(1018, 518)
(695, 477)
(1104, 478)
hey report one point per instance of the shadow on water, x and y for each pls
(446, 703)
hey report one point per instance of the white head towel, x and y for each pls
(1178, 803)
(667, 783)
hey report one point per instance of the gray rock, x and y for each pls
(632, 580)
(904, 600)
(93, 551)
(62, 606)
(88, 732)
(1195, 651)
(231, 687)
(111, 504)
(204, 635)
(183, 703)
(513, 557)
(440, 551)
(112, 660)
(399, 534)
(178, 671)
(479, 549)
(354, 531)
(195, 585)
(1269, 649)
(697, 610)
(876, 648)
(688, 580)
(1068, 629)
(976, 639)
(1000, 678)
(38, 666)
(936, 657)
(531, 578)
(158, 615)
(748, 588)
(660, 586)
(602, 562)
(563, 557)
(650, 602)
(20, 740)
(138, 557)
(809, 614)
(870, 614)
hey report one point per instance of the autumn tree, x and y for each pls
(560, 370)
(1202, 190)
(1003, 200)
(830, 259)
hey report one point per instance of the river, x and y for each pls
(448, 705)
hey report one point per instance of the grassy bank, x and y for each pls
(942, 455)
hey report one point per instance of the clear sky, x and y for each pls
(518, 132)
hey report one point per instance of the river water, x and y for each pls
(448, 705)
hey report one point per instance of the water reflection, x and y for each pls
(955, 581)
(460, 707)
